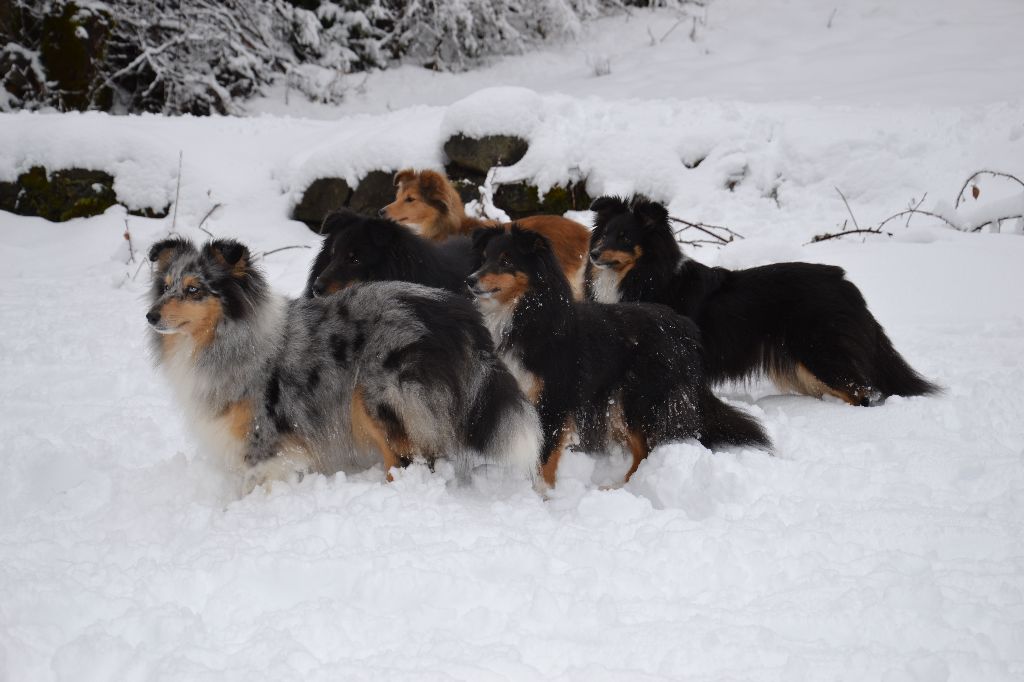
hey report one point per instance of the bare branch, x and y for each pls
(848, 209)
(845, 233)
(177, 192)
(997, 174)
(128, 238)
(264, 254)
(914, 208)
(915, 211)
(713, 231)
(681, 20)
(206, 217)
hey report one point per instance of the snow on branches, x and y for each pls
(208, 56)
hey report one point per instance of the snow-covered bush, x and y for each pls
(207, 56)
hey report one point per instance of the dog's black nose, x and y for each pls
(153, 316)
(383, 213)
(318, 289)
(472, 281)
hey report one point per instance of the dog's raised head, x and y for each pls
(355, 249)
(512, 261)
(625, 231)
(193, 290)
(426, 201)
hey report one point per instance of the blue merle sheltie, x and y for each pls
(358, 248)
(803, 325)
(629, 374)
(381, 371)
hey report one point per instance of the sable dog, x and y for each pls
(804, 325)
(626, 373)
(359, 248)
(426, 199)
(381, 371)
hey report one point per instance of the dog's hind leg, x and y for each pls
(388, 439)
(834, 382)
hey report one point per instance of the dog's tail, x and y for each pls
(503, 426)
(726, 425)
(893, 376)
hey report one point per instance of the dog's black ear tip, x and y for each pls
(159, 249)
(232, 251)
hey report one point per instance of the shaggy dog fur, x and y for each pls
(381, 371)
(427, 200)
(359, 248)
(804, 325)
(630, 374)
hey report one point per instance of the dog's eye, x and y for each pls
(165, 287)
(409, 200)
(192, 291)
(353, 258)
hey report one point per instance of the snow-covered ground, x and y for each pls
(877, 544)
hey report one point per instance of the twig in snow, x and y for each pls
(142, 261)
(264, 254)
(914, 208)
(177, 192)
(848, 209)
(831, 17)
(713, 231)
(845, 233)
(915, 211)
(206, 217)
(128, 238)
(998, 174)
(681, 20)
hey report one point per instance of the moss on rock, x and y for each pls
(62, 195)
(522, 199)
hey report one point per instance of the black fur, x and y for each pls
(595, 359)
(768, 319)
(359, 248)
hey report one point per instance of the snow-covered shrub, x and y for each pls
(207, 56)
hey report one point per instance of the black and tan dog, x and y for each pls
(631, 374)
(358, 248)
(382, 371)
(804, 325)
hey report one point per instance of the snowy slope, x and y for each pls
(878, 544)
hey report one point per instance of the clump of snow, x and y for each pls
(495, 111)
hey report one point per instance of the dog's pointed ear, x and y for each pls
(608, 205)
(230, 255)
(436, 190)
(339, 220)
(529, 241)
(403, 176)
(482, 236)
(650, 213)
(163, 252)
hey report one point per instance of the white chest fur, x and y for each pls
(606, 285)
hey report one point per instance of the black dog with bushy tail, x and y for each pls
(804, 325)
(631, 374)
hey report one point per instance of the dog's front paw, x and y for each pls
(277, 469)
